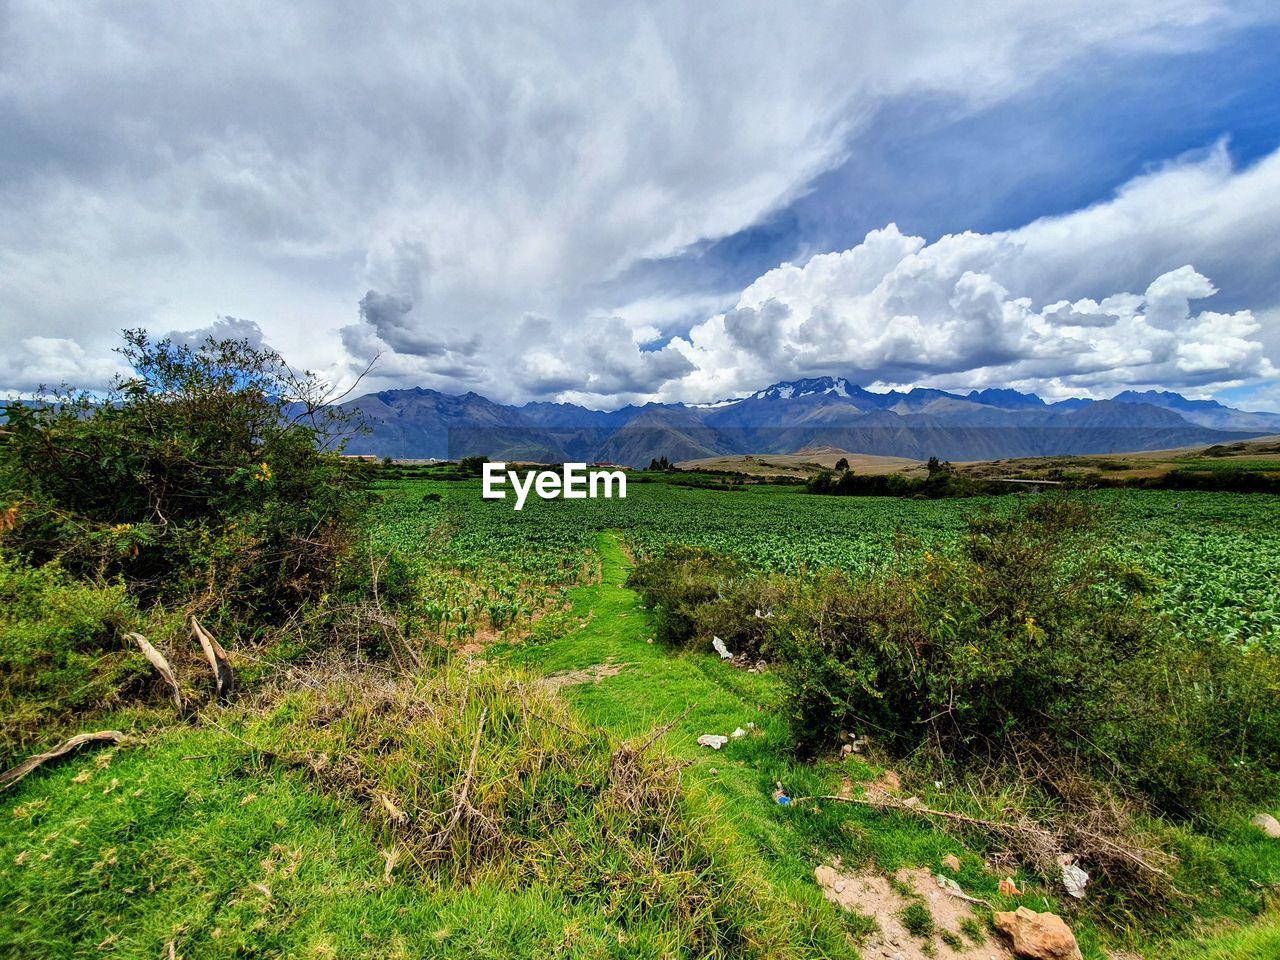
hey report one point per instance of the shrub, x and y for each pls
(60, 652)
(203, 475)
(698, 594)
(1030, 641)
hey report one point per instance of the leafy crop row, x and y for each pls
(1214, 557)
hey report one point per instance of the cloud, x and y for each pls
(479, 163)
(34, 363)
(224, 328)
(986, 309)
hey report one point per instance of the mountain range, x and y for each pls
(788, 417)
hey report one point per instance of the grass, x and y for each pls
(657, 684)
(221, 860)
(253, 837)
(262, 835)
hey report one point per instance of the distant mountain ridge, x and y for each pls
(790, 416)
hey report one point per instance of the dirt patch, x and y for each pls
(573, 678)
(886, 901)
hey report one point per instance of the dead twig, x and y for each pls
(464, 812)
(12, 776)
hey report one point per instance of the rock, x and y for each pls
(1268, 825)
(1038, 936)
(951, 862)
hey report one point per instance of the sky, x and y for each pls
(609, 204)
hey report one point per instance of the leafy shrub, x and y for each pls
(1030, 640)
(202, 477)
(942, 481)
(1026, 647)
(698, 594)
(60, 651)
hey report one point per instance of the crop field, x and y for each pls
(1214, 557)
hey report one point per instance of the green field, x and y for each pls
(224, 837)
(1214, 558)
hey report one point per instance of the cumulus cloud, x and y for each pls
(896, 310)
(988, 309)
(224, 328)
(477, 163)
(35, 363)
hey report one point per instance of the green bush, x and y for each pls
(1030, 641)
(698, 594)
(61, 652)
(203, 478)
(1026, 647)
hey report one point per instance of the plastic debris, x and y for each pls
(1007, 887)
(738, 733)
(720, 648)
(762, 615)
(713, 740)
(1073, 878)
(784, 800)
(953, 889)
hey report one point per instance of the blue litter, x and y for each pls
(784, 801)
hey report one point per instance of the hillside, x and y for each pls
(789, 417)
(1258, 454)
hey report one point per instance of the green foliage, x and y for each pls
(471, 466)
(61, 656)
(1212, 558)
(201, 475)
(1031, 638)
(942, 481)
(686, 589)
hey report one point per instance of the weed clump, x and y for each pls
(482, 778)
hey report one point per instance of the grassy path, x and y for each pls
(655, 685)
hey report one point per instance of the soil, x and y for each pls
(571, 678)
(876, 896)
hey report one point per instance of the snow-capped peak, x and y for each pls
(838, 386)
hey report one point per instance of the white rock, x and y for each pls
(1268, 825)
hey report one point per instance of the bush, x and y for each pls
(60, 652)
(942, 481)
(698, 594)
(202, 478)
(1030, 641)
(1026, 648)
